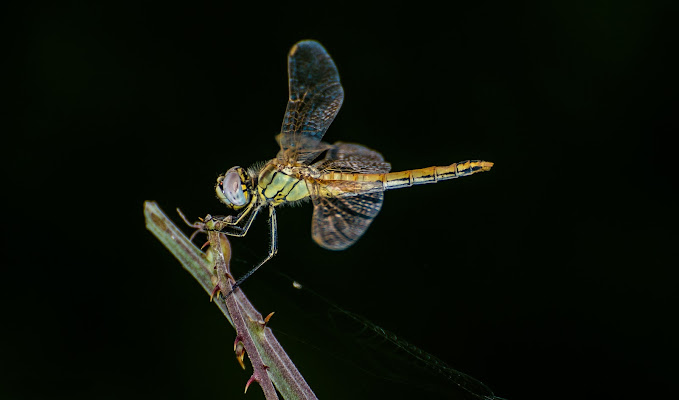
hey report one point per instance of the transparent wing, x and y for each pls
(343, 210)
(352, 158)
(315, 97)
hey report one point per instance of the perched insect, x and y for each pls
(346, 186)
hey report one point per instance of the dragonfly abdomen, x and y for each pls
(397, 180)
(401, 179)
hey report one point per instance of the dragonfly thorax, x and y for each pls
(279, 184)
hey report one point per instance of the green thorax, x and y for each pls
(277, 187)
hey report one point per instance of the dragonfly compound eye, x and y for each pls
(230, 189)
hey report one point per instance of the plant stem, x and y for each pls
(271, 364)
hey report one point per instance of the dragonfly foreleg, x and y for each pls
(241, 225)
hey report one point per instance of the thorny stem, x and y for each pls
(246, 331)
(269, 360)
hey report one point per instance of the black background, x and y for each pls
(552, 276)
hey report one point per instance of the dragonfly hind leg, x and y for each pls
(273, 247)
(235, 229)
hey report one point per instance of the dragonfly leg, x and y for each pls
(241, 225)
(273, 247)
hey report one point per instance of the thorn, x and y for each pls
(247, 385)
(216, 291)
(240, 360)
(239, 349)
(228, 275)
(266, 319)
(204, 244)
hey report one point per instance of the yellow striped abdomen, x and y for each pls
(397, 180)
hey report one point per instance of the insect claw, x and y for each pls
(204, 244)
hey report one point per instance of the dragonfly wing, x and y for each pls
(343, 210)
(315, 97)
(352, 158)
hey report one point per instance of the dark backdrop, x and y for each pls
(552, 276)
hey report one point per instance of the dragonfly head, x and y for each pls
(234, 187)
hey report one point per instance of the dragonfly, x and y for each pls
(344, 181)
